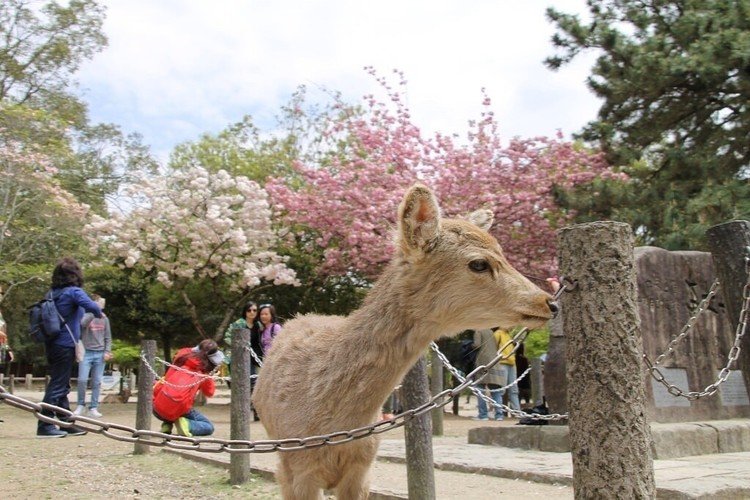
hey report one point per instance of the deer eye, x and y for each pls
(479, 265)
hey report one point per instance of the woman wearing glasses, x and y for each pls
(245, 322)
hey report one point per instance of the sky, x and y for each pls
(176, 69)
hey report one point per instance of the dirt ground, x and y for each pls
(93, 466)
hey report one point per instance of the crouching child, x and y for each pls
(174, 393)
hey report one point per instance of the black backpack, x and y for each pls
(468, 355)
(45, 323)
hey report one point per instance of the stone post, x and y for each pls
(240, 415)
(537, 382)
(145, 393)
(730, 245)
(609, 436)
(420, 474)
(436, 387)
(30, 382)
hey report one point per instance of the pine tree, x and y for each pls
(674, 77)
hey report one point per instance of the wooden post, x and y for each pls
(420, 474)
(29, 382)
(240, 414)
(12, 384)
(436, 387)
(145, 393)
(609, 436)
(730, 245)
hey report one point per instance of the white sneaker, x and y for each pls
(93, 412)
(79, 410)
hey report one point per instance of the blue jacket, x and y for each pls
(71, 303)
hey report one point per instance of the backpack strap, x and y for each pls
(51, 294)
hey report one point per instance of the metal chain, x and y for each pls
(480, 394)
(199, 376)
(249, 348)
(517, 340)
(734, 352)
(689, 325)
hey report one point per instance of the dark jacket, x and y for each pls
(71, 303)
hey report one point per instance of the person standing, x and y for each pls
(6, 354)
(265, 328)
(71, 302)
(508, 364)
(485, 342)
(245, 322)
(174, 394)
(97, 339)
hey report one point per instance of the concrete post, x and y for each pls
(30, 382)
(240, 415)
(145, 393)
(729, 243)
(609, 436)
(537, 381)
(436, 387)
(420, 474)
(12, 387)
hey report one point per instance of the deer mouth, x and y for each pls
(531, 318)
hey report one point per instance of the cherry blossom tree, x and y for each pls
(195, 226)
(347, 205)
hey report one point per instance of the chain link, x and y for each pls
(517, 340)
(689, 325)
(200, 378)
(734, 352)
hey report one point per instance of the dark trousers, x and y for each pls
(60, 360)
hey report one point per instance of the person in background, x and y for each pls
(97, 339)
(265, 328)
(71, 302)
(485, 342)
(246, 321)
(174, 393)
(508, 365)
(6, 354)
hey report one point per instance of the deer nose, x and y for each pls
(553, 307)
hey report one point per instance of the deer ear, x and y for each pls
(418, 219)
(482, 218)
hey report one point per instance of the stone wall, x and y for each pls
(670, 286)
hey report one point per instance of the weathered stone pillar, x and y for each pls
(609, 435)
(240, 414)
(730, 245)
(436, 387)
(145, 393)
(420, 474)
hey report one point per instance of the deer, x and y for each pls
(326, 374)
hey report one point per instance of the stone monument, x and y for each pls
(670, 287)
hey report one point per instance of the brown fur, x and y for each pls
(329, 373)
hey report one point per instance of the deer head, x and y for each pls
(455, 273)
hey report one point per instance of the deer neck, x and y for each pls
(393, 330)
